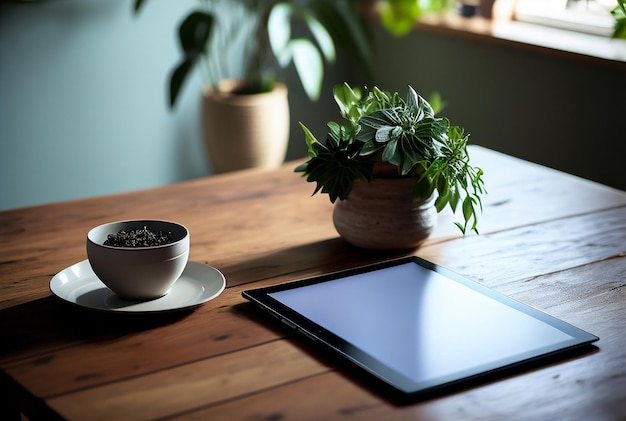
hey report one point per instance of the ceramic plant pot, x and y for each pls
(245, 131)
(381, 215)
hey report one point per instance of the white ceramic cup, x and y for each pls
(138, 273)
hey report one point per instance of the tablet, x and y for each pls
(416, 326)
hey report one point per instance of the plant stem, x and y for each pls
(255, 66)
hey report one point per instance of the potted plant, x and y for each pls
(390, 167)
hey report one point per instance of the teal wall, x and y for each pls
(83, 108)
(82, 101)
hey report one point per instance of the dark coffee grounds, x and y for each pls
(139, 238)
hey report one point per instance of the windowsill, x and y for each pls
(543, 38)
(579, 17)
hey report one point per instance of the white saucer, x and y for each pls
(78, 285)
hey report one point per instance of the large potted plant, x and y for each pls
(240, 42)
(390, 166)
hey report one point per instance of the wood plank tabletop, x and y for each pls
(548, 239)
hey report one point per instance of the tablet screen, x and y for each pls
(416, 325)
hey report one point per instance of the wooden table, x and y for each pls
(548, 239)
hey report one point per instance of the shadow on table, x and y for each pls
(48, 323)
(321, 256)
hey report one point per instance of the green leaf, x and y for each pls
(279, 32)
(441, 202)
(399, 16)
(407, 166)
(366, 134)
(302, 167)
(454, 198)
(442, 185)
(461, 227)
(376, 120)
(370, 148)
(413, 102)
(468, 208)
(385, 134)
(323, 38)
(311, 141)
(348, 28)
(436, 102)
(345, 97)
(309, 66)
(619, 30)
(194, 32)
(392, 115)
(426, 107)
(302, 51)
(335, 134)
(381, 97)
(177, 80)
(411, 156)
(391, 153)
(422, 189)
(138, 4)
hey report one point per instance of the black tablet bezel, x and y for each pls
(403, 385)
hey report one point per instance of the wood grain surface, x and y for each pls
(548, 239)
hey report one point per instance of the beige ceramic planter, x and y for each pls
(245, 131)
(382, 215)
